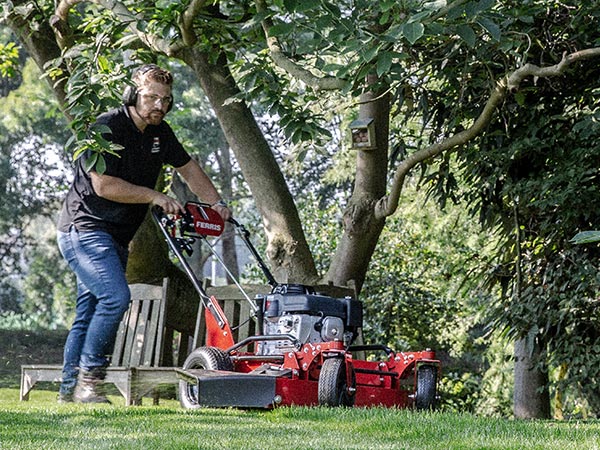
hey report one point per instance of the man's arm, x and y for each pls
(121, 191)
(202, 186)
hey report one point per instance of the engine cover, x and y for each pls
(309, 317)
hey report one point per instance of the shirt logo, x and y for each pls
(155, 145)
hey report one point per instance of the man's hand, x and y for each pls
(168, 204)
(203, 187)
(223, 211)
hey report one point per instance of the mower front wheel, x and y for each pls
(333, 384)
(207, 358)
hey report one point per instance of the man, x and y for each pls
(102, 212)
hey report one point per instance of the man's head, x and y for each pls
(151, 96)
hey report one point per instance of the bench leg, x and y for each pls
(27, 384)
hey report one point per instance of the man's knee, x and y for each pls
(117, 301)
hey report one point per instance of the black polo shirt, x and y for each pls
(139, 162)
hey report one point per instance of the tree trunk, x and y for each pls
(531, 398)
(287, 248)
(230, 256)
(361, 228)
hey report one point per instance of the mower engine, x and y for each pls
(297, 310)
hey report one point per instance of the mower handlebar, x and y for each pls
(243, 232)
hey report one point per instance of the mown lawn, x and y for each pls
(41, 423)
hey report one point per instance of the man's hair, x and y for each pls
(152, 72)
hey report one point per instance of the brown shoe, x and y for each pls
(90, 386)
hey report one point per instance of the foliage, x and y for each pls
(404, 44)
(9, 55)
(345, 41)
(418, 294)
(32, 176)
(534, 178)
(11, 320)
(586, 237)
(557, 300)
(93, 84)
(26, 194)
(49, 285)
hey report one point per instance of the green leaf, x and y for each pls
(280, 29)
(467, 34)
(306, 5)
(486, 4)
(101, 128)
(100, 164)
(490, 27)
(392, 34)
(586, 237)
(386, 5)
(412, 31)
(71, 141)
(103, 63)
(91, 161)
(370, 53)
(290, 5)
(332, 67)
(520, 98)
(419, 16)
(435, 4)
(384, 62)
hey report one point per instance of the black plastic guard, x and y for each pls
(222, 389)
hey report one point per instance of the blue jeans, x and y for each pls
(102, 298)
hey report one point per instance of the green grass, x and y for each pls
(41, 423)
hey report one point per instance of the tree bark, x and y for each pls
(531, 398)
(287, 248)
(361, 226)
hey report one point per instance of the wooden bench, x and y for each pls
(136, 364)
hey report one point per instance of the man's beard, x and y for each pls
(154, 117)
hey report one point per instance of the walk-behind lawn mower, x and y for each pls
(303, 351)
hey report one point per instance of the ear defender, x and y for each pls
(130, 93)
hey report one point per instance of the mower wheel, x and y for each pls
(425, 398)
(333, 385)
(207, 358)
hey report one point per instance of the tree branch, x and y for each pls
(60, 25)
(122, 13)
(444, 11)
(386, 206)
(295, 70)
(515, 79)
(187, 22)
